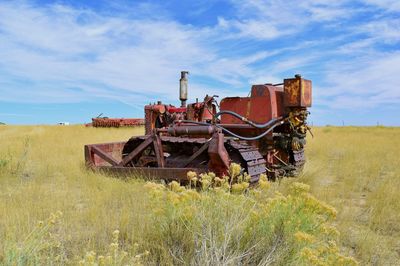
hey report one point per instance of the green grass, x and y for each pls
(42, 171)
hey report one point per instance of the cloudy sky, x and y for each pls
(72, 60)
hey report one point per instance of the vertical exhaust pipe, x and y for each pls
(183, 88)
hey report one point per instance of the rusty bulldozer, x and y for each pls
(264, 133)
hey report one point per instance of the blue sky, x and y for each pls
(72, 60)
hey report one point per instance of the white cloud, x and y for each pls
(106, 56)
(50, 44)
(367, 83)
(255, 29)
(384, 30)
(66, 54)
(388, 5)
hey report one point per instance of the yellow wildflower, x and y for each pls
(348, 261)
(304, 237)
(330, 230)
(328, 209)
(263, 182)
(240, 187)
(211, 175)
(114, 246)
(174, 198)
(263, 177)
(314, 204)
(332, 246)
(91, 257)
(310, 256)
(115, 235)
(218, 181)
(234, 170)
(175, 186)
(190, 175)
(101, 260)
(191, 195)
(194, 181)
(298, 188)
(154, 186)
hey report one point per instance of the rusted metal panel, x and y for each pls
(235, 104)
(112, 149)
(297, 92)
(196, 154)
(219, 157)
(105, 156)
(158, 149)
(136, 151)
(262, 106)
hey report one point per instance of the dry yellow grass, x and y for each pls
(42, 171)
(357, 170)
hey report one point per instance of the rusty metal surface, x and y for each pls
(174, 143)
(263, 105)
(195, 155)
(219, 157)
(112, 149)
(177, 130)
(297, 92)
(136, 151)
(158, 150)
(105, 156)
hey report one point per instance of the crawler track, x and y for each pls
(177, 150)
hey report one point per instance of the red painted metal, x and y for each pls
(194, 137)
(173, 109)
(219, 158)
(264, 104)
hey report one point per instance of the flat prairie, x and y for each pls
(55, 211)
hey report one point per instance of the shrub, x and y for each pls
(234, 225)
(41, 246)
(212, 221)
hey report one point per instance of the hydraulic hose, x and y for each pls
(274, 123)
(244, 119)
(252, 138)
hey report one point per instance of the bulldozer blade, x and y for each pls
(147, 173)
(106, 158)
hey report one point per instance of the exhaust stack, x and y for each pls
(183, 88)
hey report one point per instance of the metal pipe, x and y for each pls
(244, 119)
(183, 88)
(276, 122)
(191, 130)
(280, 122)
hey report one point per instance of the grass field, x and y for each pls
(354, 169)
